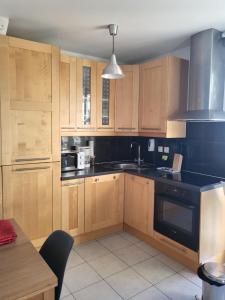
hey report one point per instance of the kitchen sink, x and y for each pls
(128, 166)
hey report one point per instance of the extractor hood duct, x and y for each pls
(206, 78)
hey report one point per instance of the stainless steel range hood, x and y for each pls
(206, 78)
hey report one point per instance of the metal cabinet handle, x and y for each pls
(86, 128)
(31, 159)
(30, 169)
(73, 184)
(125, 128)
(68, 127)
(151, 128)
(105, 128)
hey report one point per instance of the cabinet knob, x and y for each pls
(114, 177)
(96, 179)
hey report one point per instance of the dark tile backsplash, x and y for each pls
(203, 148)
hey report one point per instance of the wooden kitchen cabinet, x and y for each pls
(29, 84)
(104, 196)
(73, 206)
(67, 93)
(31, 195)
(86, 95)
(163, 92)
(139, 203)
(105, 101)
(126, 100)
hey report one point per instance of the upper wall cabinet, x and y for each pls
(29, 84)
(163, 92)
(126, 100)
(86, 95)
(105, 101)
(67, 93)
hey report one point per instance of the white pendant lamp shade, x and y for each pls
(112, 70)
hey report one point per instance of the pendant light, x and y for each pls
(112, 70)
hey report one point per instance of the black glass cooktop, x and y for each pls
(192, 178)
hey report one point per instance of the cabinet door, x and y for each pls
(86, 95)
(73, 206)
(104, 196)
(126, 100)
(67, 93)
(28, 197)
(139, 203)
(105, 101)
(29, 101)
(153, 96)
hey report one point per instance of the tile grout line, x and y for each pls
(128, 266)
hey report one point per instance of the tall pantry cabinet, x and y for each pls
(30, 135)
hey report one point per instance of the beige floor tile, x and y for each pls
(107, 265)
(193, 277)
(130, 237)
(150, 294)
(127, 283)
(69, 297)
(64, 292)
(147, 248)
(153, 270)
(80, 277)
(131, 255)
(179, 288)
(176, 266)
(74, 260)
(97, 291)
(91, 250)
(114, 242)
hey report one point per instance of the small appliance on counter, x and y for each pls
(177, 164)
(86, 153)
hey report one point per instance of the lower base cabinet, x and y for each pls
(31, 195)
(104, 197)
(73, 206)
(139, 203)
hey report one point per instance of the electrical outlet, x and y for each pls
(166, 150)
(160, 148)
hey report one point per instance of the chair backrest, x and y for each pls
(55, 251)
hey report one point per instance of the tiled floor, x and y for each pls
(120, 266)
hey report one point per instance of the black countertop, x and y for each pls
(187, 180)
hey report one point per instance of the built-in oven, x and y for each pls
(177, 214)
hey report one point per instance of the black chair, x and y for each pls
(55, 251)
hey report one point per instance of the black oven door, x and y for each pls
(178, 220)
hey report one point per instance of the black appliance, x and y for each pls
(68, 160)
(177, 214)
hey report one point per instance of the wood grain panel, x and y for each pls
(68, 92)
(104, 196)
(27, 194)
(29, 102)
(139, 203)
(126, 100)
(73, 206)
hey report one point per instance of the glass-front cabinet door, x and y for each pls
(86, 94)
(105, 101)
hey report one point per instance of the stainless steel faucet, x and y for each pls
(139, 152)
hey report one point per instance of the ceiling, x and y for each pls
(147, 28)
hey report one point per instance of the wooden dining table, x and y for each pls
(23, 272)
